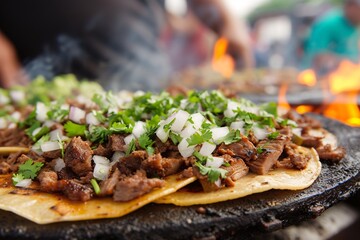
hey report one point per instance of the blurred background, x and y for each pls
(304, 54)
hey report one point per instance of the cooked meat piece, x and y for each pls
(5, 168)
(311, 141)
(243, 149)
(66, 174)
(284, 163)
(287, 131)
(236, 170)
(14, 137)
(135, 186)
(187, 173)
(205, 183)
(87, 178)
(103, 151)
(299, 161)
(271, 151)
(129, 164)
(52, 154)
(302, 120)
(75, 191)
(164, 147)
(252, 138)
(107, 186)
(78, 156)
(117, 143)
(156, 165)
(333, 155)
(48, 180)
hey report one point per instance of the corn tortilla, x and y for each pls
(44, 208)
(284, 179)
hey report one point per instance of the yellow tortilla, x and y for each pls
(45, 208)
(285, 179)
(8, 150)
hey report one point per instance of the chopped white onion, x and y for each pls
(207, 149)
(3, 123)
(16, 115)
(260, 133)
(101, 160)
(187, 132)
(180, 119)
(218, 133)
(12, 126)
(91, 119)
(50, 146)
(41, 112)
(254, 110)
(184, 148)
(198, 120)
(36, 131)
(4, 99)
(128, 139)
(48, 123)
(214, 162)
(76, 114)
(101, 171)
(161, 133)
(17, 96)
(116, 156)
(24, 183)
(37, 150)
(231, 107)
(139, 129)
(218, 182)
(55, 135)
(183, 103)
(331, 140)
(239, 125)
(59, 164)
(297, 131)
(316, 133)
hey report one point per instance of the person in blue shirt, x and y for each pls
(334, 37)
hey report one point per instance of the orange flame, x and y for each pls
(307, 78)
(340, 90)
(222, 62)
(282, 101)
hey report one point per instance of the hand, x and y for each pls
(10, 70)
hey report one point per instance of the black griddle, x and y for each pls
(237, 219)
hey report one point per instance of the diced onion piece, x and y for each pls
(128, 139)
(297, 131)
(17, 96)
(49, 146)
(231, 107)
(3, 123)
(187, 132)
(16, 116)
(183, 103)
(139, 129)
(36, 131)
(239, 125)
(254, 110)
(12, 126)
(207, 149)
(198, 120)
(76, 114)
(116, 157)
(331, 140)
(260, 133)
(184, 148)
(37, 150)
(162, 134)
(214, 162)
(101, 171)
(41, 112)
(49, 123)
(101, 160)
(4, 99)
(316, 133)
(24, 183)
(55, 135)
(59, 164)
(218, 133)
(218, 182)
(180, 119)
(91, 119)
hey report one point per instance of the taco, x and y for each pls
(110, 155)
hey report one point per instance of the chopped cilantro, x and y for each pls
(198, 138)
(168, 126)
(175, 138)
(30, 131)
(260, 150)
(97, 134)
(231, 137)
(212, 173)
(27, 170)
(146, 143)
(273, 135)
(73, 129)
(95, 186)
(131, 147)
(61, 144)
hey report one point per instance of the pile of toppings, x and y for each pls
(123, 145)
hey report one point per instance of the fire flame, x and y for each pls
(221, 61)
(340, 91)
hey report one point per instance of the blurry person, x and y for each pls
(334, 37)
(114, 41)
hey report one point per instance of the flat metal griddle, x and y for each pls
(241, 218)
